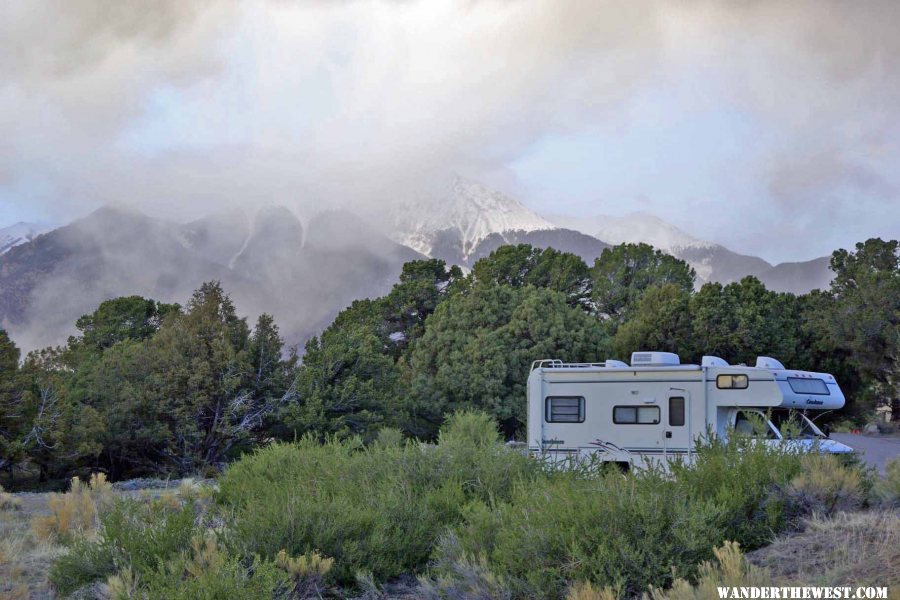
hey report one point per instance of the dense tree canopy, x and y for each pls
(521, 265)
(120, 319)
(478, 347)
(741, 321)
(866, 291)
(149, 388)
(661, 321)
(623, 273)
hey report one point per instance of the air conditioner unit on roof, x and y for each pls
(767, 362)
(654, 359)
(713, 361)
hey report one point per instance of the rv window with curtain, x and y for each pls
(815, 387)
(636, 415)
(565, 409)
(676, 411)
(732, 382)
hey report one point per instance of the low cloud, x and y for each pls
(183, 107)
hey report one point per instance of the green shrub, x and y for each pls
(469, 429)
(85, 562)
(389, 436)
(132, 535)
(379, 509)
(209, 573)
(745, 479)
(626, 532)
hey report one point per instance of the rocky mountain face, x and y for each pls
(268, 264)
(304, 275)
(450, 222)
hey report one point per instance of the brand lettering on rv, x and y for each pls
(813, 401)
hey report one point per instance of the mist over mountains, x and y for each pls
(268, 263)
(305, 272)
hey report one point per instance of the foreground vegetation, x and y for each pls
(467, 517)
(151, 389)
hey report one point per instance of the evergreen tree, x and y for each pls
(623, 273)
(11, 448)
(350, 381)
(521, 265)
(119, 319)
(661, 321)
(866, 289)
(478, 348)
(743, 320)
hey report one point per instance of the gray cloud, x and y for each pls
(180, 107)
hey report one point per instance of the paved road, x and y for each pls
(875, 450)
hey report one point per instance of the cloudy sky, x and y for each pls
(772, 127)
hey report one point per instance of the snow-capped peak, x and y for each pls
(20, 233)
(468, 207)
(634, 228)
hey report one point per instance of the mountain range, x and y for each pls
(304, 273)
(711, 261)
(268, 263)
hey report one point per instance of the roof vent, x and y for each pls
(654, 359)
(713, 361)
(766, 362)
(615, 364)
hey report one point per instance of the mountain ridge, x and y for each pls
(46, 284)
(465, 208)
(304, 273)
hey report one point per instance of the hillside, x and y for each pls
(265, 263)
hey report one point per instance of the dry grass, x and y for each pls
(307, 571)
(24, 558)
(887, 488)
(311, 564)
(826, 487)
(730, 568)
(31, 526)
(74, 513)
(860, 548)
(8, 501)
(585, 590)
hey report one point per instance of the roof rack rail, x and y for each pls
(555, 363)
(547, 363)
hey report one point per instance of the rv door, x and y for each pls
(677, 424)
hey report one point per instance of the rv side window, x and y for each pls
(565, 409)
(676, 411)
(636, 415)
(732, 382)
(814, 387)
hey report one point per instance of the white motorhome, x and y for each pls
(657, 408)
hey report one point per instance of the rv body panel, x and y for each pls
(650, 413)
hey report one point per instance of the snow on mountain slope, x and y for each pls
(19, 234)
(634, 228)
(464, 210)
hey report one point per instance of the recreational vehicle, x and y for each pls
(657, 408)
